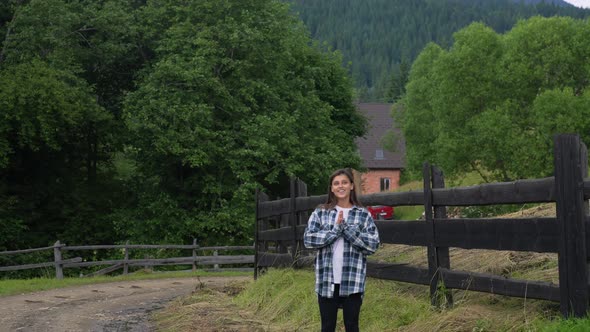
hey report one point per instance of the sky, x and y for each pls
(580, 3)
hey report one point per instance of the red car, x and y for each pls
(381, 212)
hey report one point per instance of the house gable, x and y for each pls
(383, 167)
(370, 147)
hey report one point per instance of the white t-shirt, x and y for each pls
(338, 249)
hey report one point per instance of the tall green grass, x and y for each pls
(285, 299)
(566, 325)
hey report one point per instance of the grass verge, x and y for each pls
(208, 308)
(286, 301)
(569, 325)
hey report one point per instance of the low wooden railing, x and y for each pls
(114, 264)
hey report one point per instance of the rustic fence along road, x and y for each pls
(280, 225)
(195, 260)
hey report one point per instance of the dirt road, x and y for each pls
(118, 306)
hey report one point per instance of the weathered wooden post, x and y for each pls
(293, 217)
(303, 216)
(437, 257)
(432, 255)
(571, 165)
(260, 226)
(301, 219)
(126, 261)
(59, 272)
(442, 253)
(215, 254)
(256, 230)
(194, 255)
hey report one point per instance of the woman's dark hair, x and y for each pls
(332, 201)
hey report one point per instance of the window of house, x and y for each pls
(379, 154)
(385, 184)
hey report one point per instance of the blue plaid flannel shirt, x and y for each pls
(361, 238)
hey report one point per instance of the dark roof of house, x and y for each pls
(380, 122)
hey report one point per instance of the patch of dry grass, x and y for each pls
(543, 210)
(473, 318)
(511, 264)
(208, 308)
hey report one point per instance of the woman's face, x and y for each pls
(341, 187)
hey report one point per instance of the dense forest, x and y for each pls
(155, 121)
(380, 38)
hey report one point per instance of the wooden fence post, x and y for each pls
(571, 164)
(256, 230)
(293, 217)
(215, 254)
(442, 253)
(194, 255)
(59, 271)
(301, 219)
(126, 264)
(433, 265)
(260, 226)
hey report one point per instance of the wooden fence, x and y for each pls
(114, 264)
(280, 225)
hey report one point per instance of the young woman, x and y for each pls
(344, 234)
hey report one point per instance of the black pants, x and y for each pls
(351, 308)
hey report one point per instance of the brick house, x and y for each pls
(383, 167)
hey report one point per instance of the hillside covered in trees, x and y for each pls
(379, 39)
(155, 121)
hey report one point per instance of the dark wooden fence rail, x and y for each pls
(277, 239)
(115, 264)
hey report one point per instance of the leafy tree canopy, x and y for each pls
(237, 97)
(154, 121)
(492, 102)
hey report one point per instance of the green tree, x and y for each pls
(155, 121)
(236, 98)
(497, 100)
(45, 113)
(64, 68)
(416, 113)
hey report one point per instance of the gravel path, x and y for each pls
(117, 306)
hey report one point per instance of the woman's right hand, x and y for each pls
(340, 218)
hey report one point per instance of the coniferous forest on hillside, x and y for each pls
(379, 39)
